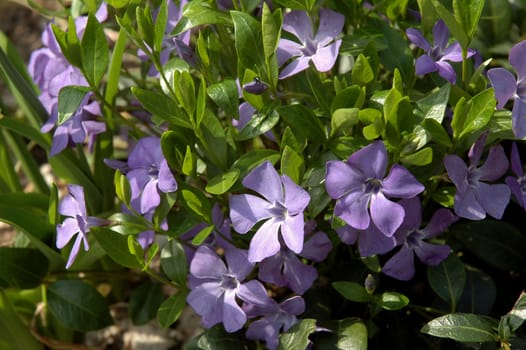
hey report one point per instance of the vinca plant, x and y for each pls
(299, 174)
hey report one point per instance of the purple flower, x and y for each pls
(322, 49)
(51, 72)
(436, 57)
(508, 87)
(276, 318)
(77, 222)
(370, 241)
(411, 237)
(360, 189)
(517, 184)
(148, 173)
(475, 198)
(282, 209)
(285, 269)
(215, 287)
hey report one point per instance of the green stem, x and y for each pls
(464, 67)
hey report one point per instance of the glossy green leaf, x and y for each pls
(421, 157)
(479, 293)
(160, 26)
(22, 268)
(223, 182)
(463, 327)
(392, 301)
(195, 200)
(202, 235)
(94, 52)
(303, 123)
(292, 164)
(214, 140)
(437, 132)
(352, 291)
(145, 300)
(481, 108)
(498, 243)
(452, 23)
(352, 335)
(297, 4)
(185, 92)
(448, 279)
(362, 73)
(258, 125)
(14, 333)
(251, 159)
(78, 305)
(69, 100)
(161, 105)
(467, 13)
(350, 97)
(433, 106)
(116, 246)
(200, 12)
(173, 262)
(216, 338)
(189, 162)
(271, 30)
(171, 309)
(297, 337)
(226, 96)
(248, 43)
(517, 315)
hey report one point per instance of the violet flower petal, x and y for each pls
(401, 265)
(265, 180)
(297, 65)
(496, 164)
(206, 264)
(441, 219)
(432, 254)
(446, 71)
(265, 242)
(298, 24)
(292, 232)
(354, 210)
(467, 206)
(325, 57)
(493, 198)
(386, 215)
(296, 198)
(400, 183)
(456, 169)
(233, 315)
(371, 160)
(246, 210)
(331, 25)
(516, 58)
(504, 84)
(317, 247)
(518, 118)
(416, 37)
(342, 179)
(440, 34)
(425, 65)
(372, 242)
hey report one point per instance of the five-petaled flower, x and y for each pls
(322, 49)
(148, 173)
(411, 237)
(276, 318)
(360, 189)
(508, 87)
(215, 287)
(436, 56)
(475, 198)
(77, 222)
(282, 207)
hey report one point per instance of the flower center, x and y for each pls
(309, 48)
(229, 281)
(414, 238)
(436, 53)
(153, 171)
(473, 176)
(372, 185)
(521, 89)
(278, 209)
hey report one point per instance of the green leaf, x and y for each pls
(78, 305)
(248, 43)
(258, 125)
(352, 291)
(297, 337)
(162, 106)
(419, 158)
(173, 262)
(202, 235)
(251, 159)
(171, 309)
(393, 301)
(145, 25)
(292, 164)
(197, 13)
(22, 268)
(352, 335)
(463, 327)
(479, 294)
(14, 334)
(196, 201)
(214, 140)
(145, 300)
(448, 279)
(303, 123)
(160, 26)
(271, 30)
(189, 162)
(468, 12)
(185, 91)
(517, 315)
(296, 4)
(223, 182)
(352, 96)
(433, 106)
(216, 338)
(116, 246)
(453, 25)
(481, 108)
(225, 95)
(94, 51)
(69, 100)
(362, 73)
(498, 243)
(437, 132)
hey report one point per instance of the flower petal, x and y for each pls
(204, 299)
(292, 232)
(504, 84)
(372, 242)
(386, 215)
(75, 249)
(413, 214)
(370, 160)
(440, 34)
(446, 71)
(496, 164)
(516, 57)
(246, 210)
(493, 198)
(518, 118)
(456, 170)
(424, 65)
(441, 219)
(66, 231)
(298, 65)
(432, 254)
(416, 37)
(237, 261)
(317, 247)
(265, 242)
(331, 25)
(253, 292)
(296, 198)
(516, 165)
(294, 305)
(401, 265)
(400, 183)
(150, 197)
(354, 210)
(287, 49)
(325, 57)
(453, 53)
(516, 189)
(299, 277)
(341, 179)
(233, 315)
(298, 24)
(265, 180)
(467, 206)
(166, 179)
(207, 265)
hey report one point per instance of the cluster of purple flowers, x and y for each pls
(377, 201)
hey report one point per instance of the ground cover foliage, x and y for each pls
(303, 174)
